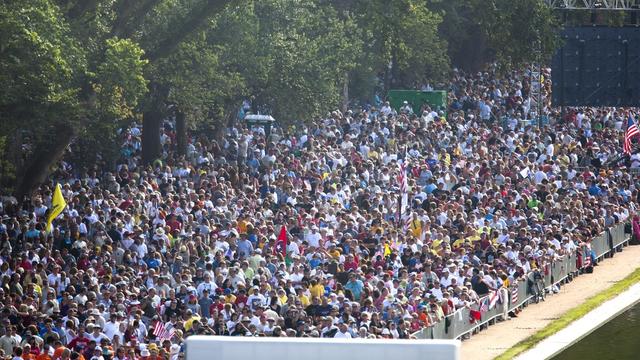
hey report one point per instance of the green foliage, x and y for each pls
(502, 30)
(40, 62)
(514, 26)
(82, 63)
(404, 37)
(119, 81)
(59, 67)
(308, 50)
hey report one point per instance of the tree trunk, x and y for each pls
(345, 93)
(386, 81)
(43, 158)
(151, 147)
(181, 133)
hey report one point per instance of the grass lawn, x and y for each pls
(571, 315)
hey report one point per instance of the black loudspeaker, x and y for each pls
(597, 66)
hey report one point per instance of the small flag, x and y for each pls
(587, 258)
(387, 250)
(57, 205)
(281, 244)
(161, 332)
(514, 295)
(484, 305)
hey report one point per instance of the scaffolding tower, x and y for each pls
(594, 4)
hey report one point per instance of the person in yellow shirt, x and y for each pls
(304, 299)
(243, 224)
(282, 296)
(229, 298)
(317, 289)
(458, 243)
(415, 227)
(334, 251)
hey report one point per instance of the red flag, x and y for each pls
(282, 240)
(474, 316)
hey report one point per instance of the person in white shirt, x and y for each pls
(343, 332)
(140, 248)
(385, 109)
(111, 327)
(539, 176)
(208, 284)
(255, 299)
(313, 237)
(97, 335)
(54, 278)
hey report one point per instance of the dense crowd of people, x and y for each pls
(372, 223)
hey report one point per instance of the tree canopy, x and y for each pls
(73, 71)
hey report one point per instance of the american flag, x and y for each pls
(161, 332)
(587, 258)
(407, 221)
(632, 131)
(514, 295)
(484, 304)
(493, 299)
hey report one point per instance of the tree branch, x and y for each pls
(81, 7)
(127, 23)
(193, 22)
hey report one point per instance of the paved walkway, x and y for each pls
(582, 327)
(498, 338)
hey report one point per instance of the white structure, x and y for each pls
(263, 348)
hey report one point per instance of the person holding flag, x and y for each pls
(632, 131)
(57, 206)
(282, 243)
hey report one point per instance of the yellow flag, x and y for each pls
(57, 205)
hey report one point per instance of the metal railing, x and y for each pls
(458, 323)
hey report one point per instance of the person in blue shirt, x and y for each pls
(244, 247)
(430, 187)
(315, 261)
(354, 285)
(594, 189)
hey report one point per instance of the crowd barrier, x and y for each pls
(459, 323)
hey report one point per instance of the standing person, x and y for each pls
(10, 340)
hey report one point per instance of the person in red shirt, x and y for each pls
(79, 342)
(26, 263)
(173, 223)
(351, 263)
(241, 298)
(217, 305)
